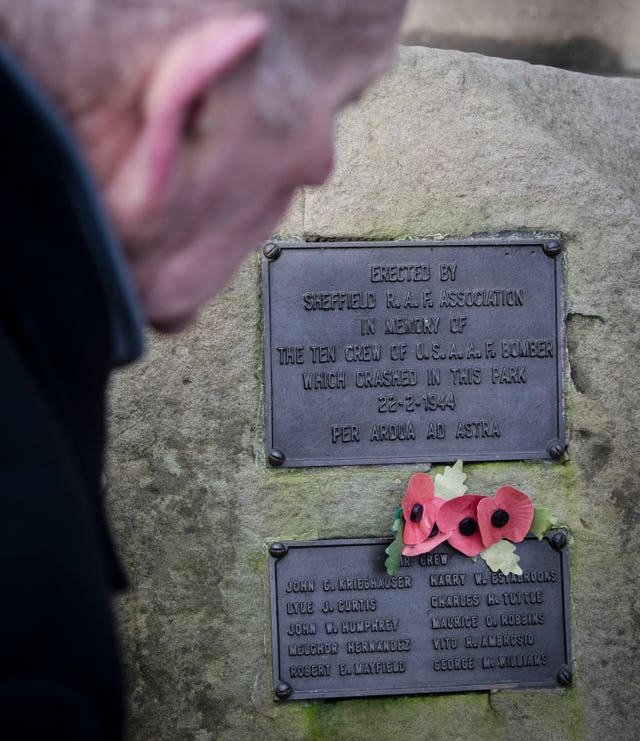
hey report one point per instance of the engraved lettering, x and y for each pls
(389, 625)
(518, 619)
(313, 649)
(387, 378)
(433, 559)
(310, 670)
(466, 663)
(444, 644)
(374, 582)
(482, 298)
(338, 300)
(323, 353)
(454, 600)
(541, 576)
(412, 325)
(357, 605)
(301, 629)
(448, 271)
(368, 326)
(466, 376)
(323, 380)
(400, 273)
(478, 428)
(447, 580)
(527, 348)
(299, 608)
(451, 622)
(290, 355)
(392, 645)
(300, 585)
(523, 598)
(385, 432)
(511, 662)
(457, 324)
(509, 374)
(507, 640)
(362, 353)
(380, 667)
(398, 351)
(345, 434)
(436, 431)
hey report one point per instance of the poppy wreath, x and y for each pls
(476, 525)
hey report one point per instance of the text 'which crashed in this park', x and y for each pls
(402, 352)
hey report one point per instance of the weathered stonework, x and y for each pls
(448, 144)
(598, 36)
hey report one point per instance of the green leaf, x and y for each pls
(501, 556)
(450, 484)
(394, 550)
(543, 521)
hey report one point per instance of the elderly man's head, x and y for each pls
(200, 118)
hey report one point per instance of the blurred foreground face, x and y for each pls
(239, 169)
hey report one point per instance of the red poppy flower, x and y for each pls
(436, 536)
(509, 516)
(425, 526)
(419, 509)
(459, 518)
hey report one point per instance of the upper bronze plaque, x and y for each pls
(407, 352)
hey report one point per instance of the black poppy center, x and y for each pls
(468, 526)
(416, 512)
(434, 531)
(499, 518)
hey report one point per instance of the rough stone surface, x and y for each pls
(448, 144)
(597, 36)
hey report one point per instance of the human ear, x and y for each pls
(183, 75)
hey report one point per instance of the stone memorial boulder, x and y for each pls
(447, 145)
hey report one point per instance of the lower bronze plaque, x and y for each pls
(342, 627)
(413, 351)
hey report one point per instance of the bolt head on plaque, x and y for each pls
(276, 457)
(559, 540)
(553, 248)
(278, 550)
(272, 251)
(283, 690)
(564, 676)
(555, 450)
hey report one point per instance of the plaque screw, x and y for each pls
(276, 457)
(559, 540)
(272, 251)
(555, 450)
(278, 550)
(283, 690)
(564, 676)
(552, 248)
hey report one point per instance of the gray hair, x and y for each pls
(77, 49)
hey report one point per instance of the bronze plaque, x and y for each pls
(342, 627)
(409, 352)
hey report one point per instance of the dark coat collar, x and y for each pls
(31, 126)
